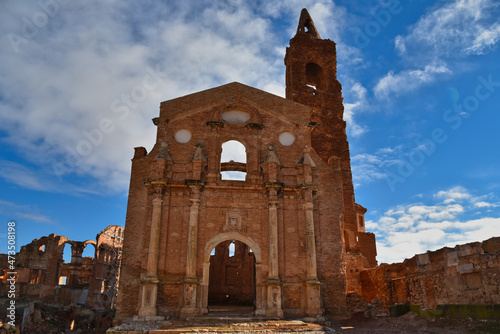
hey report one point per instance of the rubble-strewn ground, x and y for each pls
(54, 319)
(47, 318)
(412, 323)
(409, 323)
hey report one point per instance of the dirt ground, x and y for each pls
(412, 323)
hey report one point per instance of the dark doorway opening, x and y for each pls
(231, 288)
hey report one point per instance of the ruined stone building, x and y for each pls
(286, 237)
(42, 273)
(465, 279)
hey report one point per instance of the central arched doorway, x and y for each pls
(231, 288)
(226, 239)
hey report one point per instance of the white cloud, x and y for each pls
(482, 204)
(454, 30)
(485, 40)
(93, 63)
(35, 217)
(21, 176)
(453, 194)
(414, 228)
(28, 212)
(408, 80)
(100, 64)
(368, 168)
(357, 93)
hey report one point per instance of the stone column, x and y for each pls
(149, 284)
(273, 283)
(260, 289)
(312, 283)
(154, 236)
(190, 307)
(192, 239)
(75, 266)
(273, 241)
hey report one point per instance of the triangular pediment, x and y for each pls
(235, 91)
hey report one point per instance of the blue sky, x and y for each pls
(81, 81)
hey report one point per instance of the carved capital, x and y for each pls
(195, 186)
(309, 206)
(156, 186)
(157, 201)
(272, 204)
(273, 189)
(195, 202)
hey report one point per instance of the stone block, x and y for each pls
(465, 268)
(452, 259)
(423, 259)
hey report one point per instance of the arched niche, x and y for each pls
(236, 114)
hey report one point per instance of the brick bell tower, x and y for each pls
(311, 79)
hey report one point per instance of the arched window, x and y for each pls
(89, 251)
(233, 162)
(232, 248)
(67, 253)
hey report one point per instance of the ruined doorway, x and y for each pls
(231, 288)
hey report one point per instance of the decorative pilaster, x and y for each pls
(273, 282)
(149, 284)
(154, 237)
(192, 238)
(312, 283)
(273, 241)
(313, 293)
(190, 307)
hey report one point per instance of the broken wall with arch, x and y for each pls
(54, 268)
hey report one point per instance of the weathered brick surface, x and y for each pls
(465, 274)
(312, 62)
(295, 209)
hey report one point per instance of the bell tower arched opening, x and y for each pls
(314, 77)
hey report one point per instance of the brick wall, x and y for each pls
(467, 274)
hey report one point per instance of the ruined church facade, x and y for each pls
(287, 238)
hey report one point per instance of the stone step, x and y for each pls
(229, 325)
(226, 319)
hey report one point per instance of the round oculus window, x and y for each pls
(182, 136)
(286, 138)
(235, 116)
